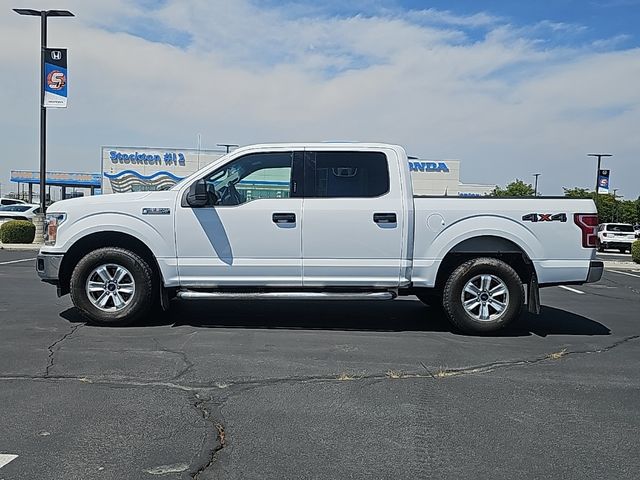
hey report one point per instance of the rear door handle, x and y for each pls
(385, 218)
(284, 218)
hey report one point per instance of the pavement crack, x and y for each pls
(188, 364)
(213, 440)
(489, 367)
(50, 348)
(433, 373)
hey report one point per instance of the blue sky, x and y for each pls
(593, 19)
(510, 88)
(553, 22)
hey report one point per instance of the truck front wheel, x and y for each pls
(112, 286)
(483, 295)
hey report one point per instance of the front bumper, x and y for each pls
(48, 267)
(596, 267)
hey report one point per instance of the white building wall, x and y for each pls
(442, 177)
(127, 169)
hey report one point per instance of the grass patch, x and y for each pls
(557, 355)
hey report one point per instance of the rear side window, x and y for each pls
(346, 174)
(620, 228)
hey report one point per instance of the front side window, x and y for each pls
(251, 177)
(346, 174)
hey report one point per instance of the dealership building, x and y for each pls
(131, 169)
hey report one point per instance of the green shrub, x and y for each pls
(17, 231)
(635, 251)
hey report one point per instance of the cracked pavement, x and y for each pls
(318, 390)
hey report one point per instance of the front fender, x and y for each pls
(158, 237)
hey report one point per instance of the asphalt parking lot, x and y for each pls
(318, 390)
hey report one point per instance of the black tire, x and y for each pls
(468, 271)
(600, 247)
(138, 304)
(622, 250)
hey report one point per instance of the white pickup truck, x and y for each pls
(315, 221)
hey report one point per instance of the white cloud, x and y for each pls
(503, 103)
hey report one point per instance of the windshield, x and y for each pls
(620, 228)
(15, 208)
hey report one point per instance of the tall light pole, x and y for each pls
(44, 15)
(535, 188)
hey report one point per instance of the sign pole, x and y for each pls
(43, 114)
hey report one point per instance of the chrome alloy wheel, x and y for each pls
(110, 287)
(485, 297)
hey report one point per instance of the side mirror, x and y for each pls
(197, 195)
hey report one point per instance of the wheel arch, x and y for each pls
(486, 246)
(102, 239)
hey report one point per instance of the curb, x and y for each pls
(622, 265)
(33, 247)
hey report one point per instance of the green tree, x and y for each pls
(516, 188)
(610, 209)
(577, 192)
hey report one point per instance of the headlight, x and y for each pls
(51, 223)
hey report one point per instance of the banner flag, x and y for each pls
(603, 181)
(55, 78)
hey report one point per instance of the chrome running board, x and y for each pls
(200, 295)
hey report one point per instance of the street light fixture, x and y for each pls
(535, 188)
(227, 145)
(44, 15)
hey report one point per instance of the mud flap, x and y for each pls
(164, 298)
(533, 295)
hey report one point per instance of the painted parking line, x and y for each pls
(574, 290)
(6, 458)
(625, 273)
(17, 261)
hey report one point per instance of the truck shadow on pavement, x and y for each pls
(397, 316)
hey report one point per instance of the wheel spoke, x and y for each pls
(498, 290)
(120, 274)
(127, 289)
(118, 301)
(103, 273)
(471, 289)
(471, 304)
(485, 282)
(498, 306)
(103, 299)
(94, 287)
(484, 312)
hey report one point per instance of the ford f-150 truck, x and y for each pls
(315, 221)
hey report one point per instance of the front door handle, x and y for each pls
(385, 218)
(284, 218)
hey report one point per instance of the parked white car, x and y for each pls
(315, 221)
(19, 211)
(11, 201)
(615, 235)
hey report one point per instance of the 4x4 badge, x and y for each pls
(544, 217)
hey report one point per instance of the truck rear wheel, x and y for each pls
(112, 286)
(483, 295)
